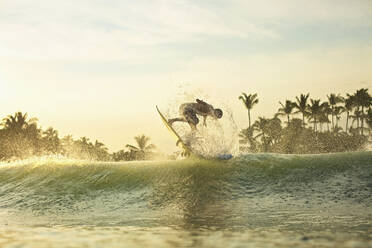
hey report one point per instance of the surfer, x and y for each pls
(189, 112)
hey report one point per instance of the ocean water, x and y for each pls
(254, 200)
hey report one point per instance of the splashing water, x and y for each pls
(218, 138)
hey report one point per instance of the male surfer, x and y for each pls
(189, 112)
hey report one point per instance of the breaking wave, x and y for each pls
(169, 190)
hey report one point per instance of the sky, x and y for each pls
(98, 68)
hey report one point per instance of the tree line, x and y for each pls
(318, 129)
(21, 137)
(307, 126)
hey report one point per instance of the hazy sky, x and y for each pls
(97, 68)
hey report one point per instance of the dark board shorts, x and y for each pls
(190, 116)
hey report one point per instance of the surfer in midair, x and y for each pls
(189, 112)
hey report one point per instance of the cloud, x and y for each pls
(114, 30)
(138, 31)
(358, 11)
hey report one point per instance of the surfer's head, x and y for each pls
(217, 113)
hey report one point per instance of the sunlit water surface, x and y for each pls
(262, 200)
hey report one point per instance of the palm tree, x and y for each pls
(369, 119)
(67, 145)
(18, 122)
(143, 148)
(363, 100)
(302, 106)
(338, 111)
(260, 125)
(99, 145)
(84, 141)
(123, 155)
(356, 117)
(315, 109)
(348, 105)
(326, 111)
(50, 132)
(67, 140)
(249, 102)
(51, 140)
(323, 118)
(22, 135)
(333, 100)
(100, 151)
(286, 109)
(274, 130)
(83, 148)
(247, 138)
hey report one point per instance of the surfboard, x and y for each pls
(187, 151)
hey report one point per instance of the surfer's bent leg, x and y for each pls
(170, 121)
(191, 118)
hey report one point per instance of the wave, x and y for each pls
(252, 181)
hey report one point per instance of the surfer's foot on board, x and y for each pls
(170, 122)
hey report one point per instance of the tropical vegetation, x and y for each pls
(301, 130)
(249, 101)
(21, 137)
(307, 133)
